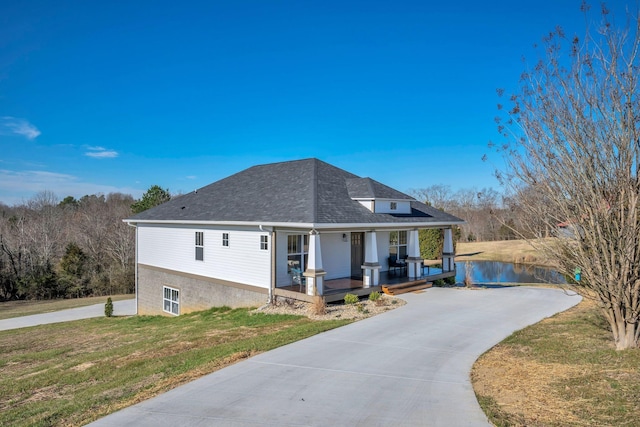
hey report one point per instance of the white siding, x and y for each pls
(402, 207)
(367, 204)
(173, 248)
(336, 255)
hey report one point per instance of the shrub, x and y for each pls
(319, 307)
(108, 308)
(439, 283)
(360, 307)
(451, 280)
(374, 296)
(350, 299)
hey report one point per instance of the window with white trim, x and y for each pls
(199, 246)
(225, 239)
(264, 243)
(170, 300)
(297, 251)
(398, 244)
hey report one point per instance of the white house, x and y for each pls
(294, 229)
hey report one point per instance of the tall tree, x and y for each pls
(573, 144)
(154, 196)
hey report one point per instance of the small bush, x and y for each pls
(374, 296)
(360, 307)
(451, 280)
(350, 299)
(319, 307)
(439, 283)
(108, 308)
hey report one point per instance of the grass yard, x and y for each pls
(75, 372)
(516, 251)
(563, 371)
(26, 308)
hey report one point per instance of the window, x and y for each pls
(264, 243)
(199, 246)
(393, 206)
(225, 239)
(297, 251)
(171, 300)
(398, 244)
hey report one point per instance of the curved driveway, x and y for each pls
(407, 367)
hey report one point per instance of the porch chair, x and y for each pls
(395, 264)
(297, 277)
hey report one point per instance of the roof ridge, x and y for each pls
(370, 185)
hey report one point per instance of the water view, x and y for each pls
(503, 272)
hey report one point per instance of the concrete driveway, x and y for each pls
(407, 367)
(120, 308)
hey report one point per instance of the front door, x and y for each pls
(357, 255)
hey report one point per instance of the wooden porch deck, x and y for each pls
(336, 289)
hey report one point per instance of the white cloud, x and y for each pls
(14, 126)
(18, 186)
(101, 153)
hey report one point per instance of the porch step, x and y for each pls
(403, 288)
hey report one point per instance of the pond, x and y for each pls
(504, 272)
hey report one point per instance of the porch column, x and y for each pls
(314, 273)
(448, 256)
(414, 261)
(371, 266)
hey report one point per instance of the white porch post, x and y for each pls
(414, 261)
(371, 266)
(314, 272)
(448, 261)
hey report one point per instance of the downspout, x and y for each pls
(273, 265)
(135, 271)
(272, 276)
(135, 264)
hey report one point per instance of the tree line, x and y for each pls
(70, 248)
(487, 213)
(51, 248)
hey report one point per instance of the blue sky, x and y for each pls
(116, 96)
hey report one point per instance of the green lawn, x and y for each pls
(75, 372)
(25, 308)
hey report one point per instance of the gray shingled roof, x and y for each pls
(302, 191)
(367, 188)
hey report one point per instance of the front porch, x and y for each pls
(336, 289)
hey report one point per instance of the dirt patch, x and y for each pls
(83, 366)
(523, 387)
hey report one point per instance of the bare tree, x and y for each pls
(438, 195)
(573, 142)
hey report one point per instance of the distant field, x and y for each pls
(25, 308)
(518, 251)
